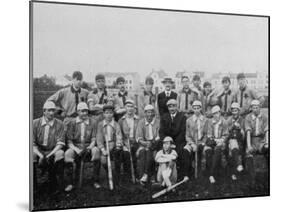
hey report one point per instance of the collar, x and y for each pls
(110, 123)
(96, 90)
(152, 122)
(174, 115)
(44, 122)
(254, 117)
(168, 92)
(228, 92)
(124, 94)
(243, 89)
(73, 90)
(134, 117)
(194, 117)
(78, 120)
(186, 90)
(217, 122)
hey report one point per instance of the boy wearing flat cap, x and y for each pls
(68, 98)
(165, 96)
(226, 97)
(244, 95)
(173, 124)
(99, 95)
(146, 97)
(109, 131)
(186, 96)
(217, 134)
(166, 158)
(48, 141)
(256, 127)
(196, 134)
(121, 98)
(209, 99)
(81, 141)
(147, 136)
(128, 125)
(235, 141)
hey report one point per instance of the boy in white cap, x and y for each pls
(217, 133)
(146, 97)
(147, 136)
(235, 140)
(166, 158)
(256, 128)
(128, 125)
(186, 96)
(48, 141)
(81, 142)
(196, 134)
(109, 131)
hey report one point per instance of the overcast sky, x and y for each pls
(102, 39)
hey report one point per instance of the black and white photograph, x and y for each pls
(132, 105)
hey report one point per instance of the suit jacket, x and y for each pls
(162, 102)
(175, 129)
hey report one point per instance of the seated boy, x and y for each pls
(166, 158)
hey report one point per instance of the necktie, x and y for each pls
(108, 133)
(83, 126)
(216, 133)
(198, 129)
(131, 127)
(150, 132)
(150, 99)
(101, 99)
(257, 126)
(186, 100)
(46, 135)
(225, 102)
(241, 98)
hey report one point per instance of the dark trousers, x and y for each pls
(55, 173)
(213, 159)
(72, 169)
(146, 162)
(183, 162)
(190, 156)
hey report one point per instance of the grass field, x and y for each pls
(129, 193)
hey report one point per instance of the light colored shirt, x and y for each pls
(65, 98)
(257, 125)
(46, 130)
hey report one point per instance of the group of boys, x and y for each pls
(150, 136)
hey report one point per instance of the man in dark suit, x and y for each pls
(164, 96)
(173, 124)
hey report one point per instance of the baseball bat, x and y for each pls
(131, 163)
(110, 178)
(164, 191)
(196, 161)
